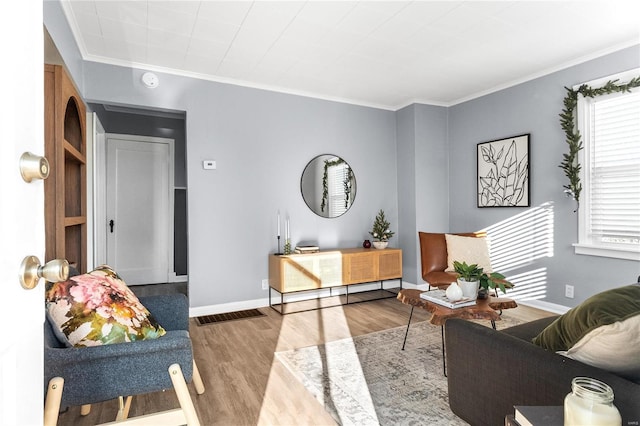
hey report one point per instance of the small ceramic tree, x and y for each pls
(381, 230)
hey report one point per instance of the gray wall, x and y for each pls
(406, 232)
(533, 107)
(423, 181)
(261, 141)
(418, 164)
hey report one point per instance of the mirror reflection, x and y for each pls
(328, 185)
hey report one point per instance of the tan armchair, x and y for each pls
(433, 254)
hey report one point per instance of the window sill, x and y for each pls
(606, 251)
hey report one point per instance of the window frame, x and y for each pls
(586, 245)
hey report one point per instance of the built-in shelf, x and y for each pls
(65, 188)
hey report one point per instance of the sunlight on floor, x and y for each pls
(318, 328)
(519, 243)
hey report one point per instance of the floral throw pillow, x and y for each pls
(97, 309)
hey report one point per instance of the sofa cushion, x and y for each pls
(612, 347)
(473, 250)
(96, 309)
(607, 307)
(530, 329)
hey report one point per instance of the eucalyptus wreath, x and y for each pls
(570, 163)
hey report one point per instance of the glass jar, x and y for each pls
(590, 403)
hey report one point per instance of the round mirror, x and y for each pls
(328, 185)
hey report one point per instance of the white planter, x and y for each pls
(380, 244)
(469, 288)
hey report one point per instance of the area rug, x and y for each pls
(369, 380)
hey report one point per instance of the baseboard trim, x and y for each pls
(264, 303)
(545, 306)
(228, 307)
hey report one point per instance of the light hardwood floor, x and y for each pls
(245, 385)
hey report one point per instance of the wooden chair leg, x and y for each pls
(85, 410)
(127, 406)
(197, 379)
(52, 401)
(182, 392)
(123, 408)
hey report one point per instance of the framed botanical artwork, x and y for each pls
(503, 172)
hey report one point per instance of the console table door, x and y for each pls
(360, 267)
(389, 264)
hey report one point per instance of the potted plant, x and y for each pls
(381, 231)
(472, 277)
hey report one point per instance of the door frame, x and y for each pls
(100, 150)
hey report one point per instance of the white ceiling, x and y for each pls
(386, 54)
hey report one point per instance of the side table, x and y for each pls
(483, 309)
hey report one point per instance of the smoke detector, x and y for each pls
(150, 80)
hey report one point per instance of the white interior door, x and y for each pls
(96, 191)
(21, 213)
(139, 181)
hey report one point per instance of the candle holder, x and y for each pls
(287, 246)
(278, 253)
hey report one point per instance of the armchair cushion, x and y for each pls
(98, 308)
(170, 311)
(473, 250)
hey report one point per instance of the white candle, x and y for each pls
(287, 235)
(278, 223)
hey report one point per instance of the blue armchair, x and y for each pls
(87, 375)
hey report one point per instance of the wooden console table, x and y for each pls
(328, 269)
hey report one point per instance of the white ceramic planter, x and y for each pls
(469, 288)
(380, 244)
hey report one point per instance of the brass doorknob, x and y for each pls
(31, 271)
(33, 167)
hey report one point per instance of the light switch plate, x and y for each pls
(209, 164)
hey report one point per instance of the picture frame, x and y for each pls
(503, 172)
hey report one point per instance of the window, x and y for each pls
(609, 220)
(339, 187)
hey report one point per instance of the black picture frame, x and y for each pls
(503, 172)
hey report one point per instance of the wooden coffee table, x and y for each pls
(483, 309)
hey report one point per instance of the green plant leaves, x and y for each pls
(381, 230)
(474, 273)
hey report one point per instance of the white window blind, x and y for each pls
(610, 208)
(615, 170)
(336, 177)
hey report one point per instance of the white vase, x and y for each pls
(380, 244)
(454, 292)
(469, 288)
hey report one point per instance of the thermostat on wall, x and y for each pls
(209, 164)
